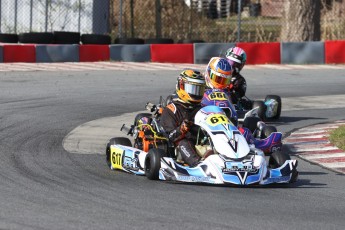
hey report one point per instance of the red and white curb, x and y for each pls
(312, 144)
(145, 66)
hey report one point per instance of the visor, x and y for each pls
(219, 78)
(195, 91)
(235, 57)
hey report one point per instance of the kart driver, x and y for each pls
(218, 73)
(224, 74)
(237, 58)
(177, 116)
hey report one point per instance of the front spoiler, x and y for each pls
(172, 171)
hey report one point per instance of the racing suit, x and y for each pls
(237, 88)
(176, 121)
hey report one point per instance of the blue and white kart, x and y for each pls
(233, 161)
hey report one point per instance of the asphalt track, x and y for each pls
(43, 186)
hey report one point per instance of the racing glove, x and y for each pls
(185, 126)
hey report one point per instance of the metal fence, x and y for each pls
(21, 16)
(215, 20)
(207, 20)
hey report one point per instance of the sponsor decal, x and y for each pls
(275, 148)
(184, 150)
(278, 179)
(193, 178)
(231, 167)
(130, 163)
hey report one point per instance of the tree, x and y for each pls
(301, 21)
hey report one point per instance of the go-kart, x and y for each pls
(268, 109)
(232, 160)
(263, 136)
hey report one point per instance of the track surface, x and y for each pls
(45, 187)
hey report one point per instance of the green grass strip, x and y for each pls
(337, 137)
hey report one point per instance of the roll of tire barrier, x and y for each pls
(256, 56)
(9, 38)
(19, 53)
(63, 37)
(57, 53)
(94, 53)
(36, 38)
(129, 41)
(159, 41)
(95, 39)
(189, 41)
(172, 53)
(332, 54)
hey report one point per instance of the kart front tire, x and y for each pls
(261, 110)
(116, 141)
(278, 158)
(251, 123)
(153, 163)
(277, 99)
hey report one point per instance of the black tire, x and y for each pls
(9, 38)
(95, 39)
(267, 131)
(278, 158)
(36, 38)
(189, 41)
(153, 163)
(261, 110)
(129, 41)
(159, 41)
(113, 141)
(251, 123)
(62, 37)
(279, 100)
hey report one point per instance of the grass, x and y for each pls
(337, 137)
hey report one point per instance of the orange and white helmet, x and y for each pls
(190, 86)
(218, 73)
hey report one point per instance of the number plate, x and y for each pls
(116, 157)
(217, 119)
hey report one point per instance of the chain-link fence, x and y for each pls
(21, 16)
(206, 20)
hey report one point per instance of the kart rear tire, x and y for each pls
(261, 110)
(251, 123)
(153, 163)
(278, 158)
(267, 131)
(279, 100)
(114, 141)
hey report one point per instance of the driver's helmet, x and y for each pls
(190, 86)
(237, 58)
(218, 73)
